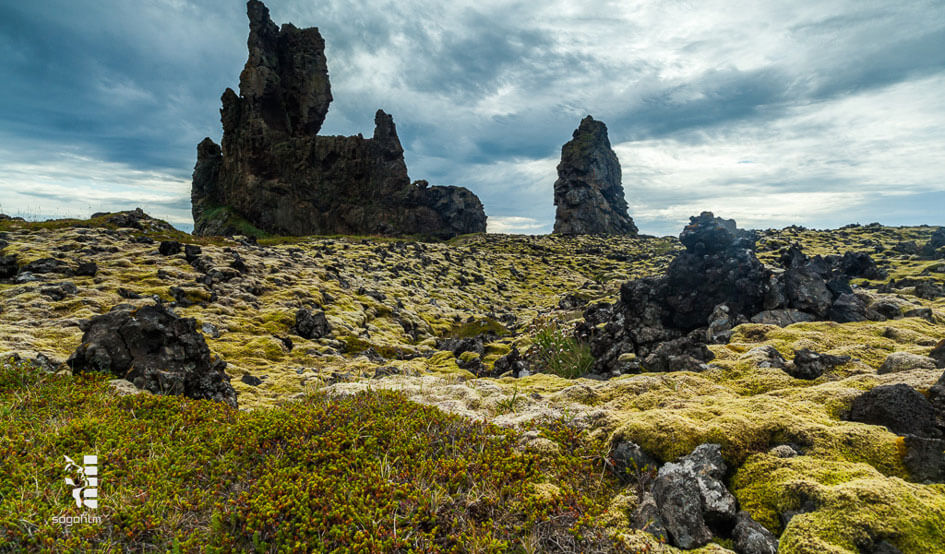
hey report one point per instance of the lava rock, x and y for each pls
(860, 264)
(680, 507)
(154, 349)
(766, 357)
(276, 174)
(929, 290)
(900, 408)
(8, 266)
(59, 291)
(808, 364)
(169, 247)
(627, 459)
(691, 497)
(647, 517)
(751, 537)
(782, 317)
(682, 354)
(86, 269)
(924, 458)
(905, 361)
(933, 248)
(807, 291)
(192, 253)
(511, 362)
(847, 308)
(720, 326)
(938, 353)
(588, 193)
(311, 324)
(43, 266)
(251, 380)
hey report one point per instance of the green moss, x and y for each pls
(366, 472)
(471, 329)
(852, 504)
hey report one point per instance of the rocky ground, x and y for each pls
(437, 321)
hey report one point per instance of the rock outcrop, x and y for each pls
(275, 174)
(154, 349)
(588, 193)
(663, 323)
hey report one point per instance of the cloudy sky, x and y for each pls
(814, 112)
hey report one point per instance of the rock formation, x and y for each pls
(663, 323)
(154, 349)
(588, 192)
(274, 173)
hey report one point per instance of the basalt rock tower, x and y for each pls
(588, 193)
(276, 174)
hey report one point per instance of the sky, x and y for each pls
(810, 112)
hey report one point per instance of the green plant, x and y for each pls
(370, 472)
(559, 353)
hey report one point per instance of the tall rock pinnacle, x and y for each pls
(276, 175)
(588, 193)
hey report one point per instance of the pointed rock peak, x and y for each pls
(588, 193)
(384, 126)
(385, 133)
(258, 15)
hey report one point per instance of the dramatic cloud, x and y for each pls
(817, 113)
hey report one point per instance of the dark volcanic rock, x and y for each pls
(588, 193)
(169, 247)
(311, 325)
(752, 538)
(808, 364)
(47, 265)
(512, 362)
(692, 498)
(934, 248)
(900, 408)
(938, 353)
(924, 458)
(87, 269)
(155, 350)
(275, 174)
(8, 266)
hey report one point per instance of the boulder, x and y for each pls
(847, 308)
(44, 266)
(677, 495)
(938, 353)
(752, 538)
(628, 460)
(692, 498)
(924, 458)
(588, 193)
(900, 408)
(311, 324)
(808, 364)
(934, 247)
(511, 362)
(275, 174)
(154, 349)
(86, 269)
(169, 247)
(782, 317)
(929, 290)
(8, 266)
(905, 361)
(766, 357)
